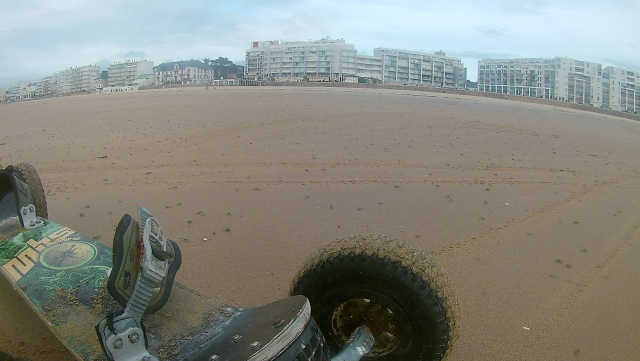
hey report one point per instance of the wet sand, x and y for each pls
(533, 210)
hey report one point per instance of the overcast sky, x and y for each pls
(43, 37)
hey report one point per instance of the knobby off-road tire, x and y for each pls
(28, 174)
(396, 289)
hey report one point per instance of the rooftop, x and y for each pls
(182, 65)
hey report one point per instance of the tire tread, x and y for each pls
(27, 173)
(403, 259)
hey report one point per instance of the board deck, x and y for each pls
(62, 275)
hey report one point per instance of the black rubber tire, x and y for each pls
(4, 356)
(27, 173)
(403, 281)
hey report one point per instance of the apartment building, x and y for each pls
(336, 60)
(46, 86)
(319, 60)
(558, 78)
(183, 72)
(621, 89)
(255, 60)
(579, 81)
(3, 95)
(145, 80)
(412, 67)
(77, 79)
(21, 90)
(369, 67)
(123, 73)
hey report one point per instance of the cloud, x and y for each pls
(103, 64)
(270, 3)
(492, 32)
(627, 64)
(523, 6)
(301, 24)
(117, 30)
(134, 54)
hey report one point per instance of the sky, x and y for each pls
(43, 37)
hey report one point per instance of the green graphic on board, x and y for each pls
(68, 255)
(10, 248)
(51, 261)
(62, 274)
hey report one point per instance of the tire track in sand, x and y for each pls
(555, 329)
(532, 289)
(472, 247)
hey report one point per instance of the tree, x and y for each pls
(221, 62)
(222, 67)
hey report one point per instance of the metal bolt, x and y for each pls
(236, 338)
(31, 208)
(146, 358)
(134, 337)
(24, 212)
(214, 358)
(117, 344)
(255, 344)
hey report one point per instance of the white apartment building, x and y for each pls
(78, 79)
(320, 60)
(621, 89)
(336, 60)
(21, 90)
(579, 81)
(255, 60)
(145, 80)
(412, 67)
(123, 73)
(3, 95)
(46, 86)
(369, 67)
(558, 78)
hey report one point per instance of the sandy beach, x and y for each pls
(533, 210)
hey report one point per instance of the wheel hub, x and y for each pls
(385, 324)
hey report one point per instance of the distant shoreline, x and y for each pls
(427, 89)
